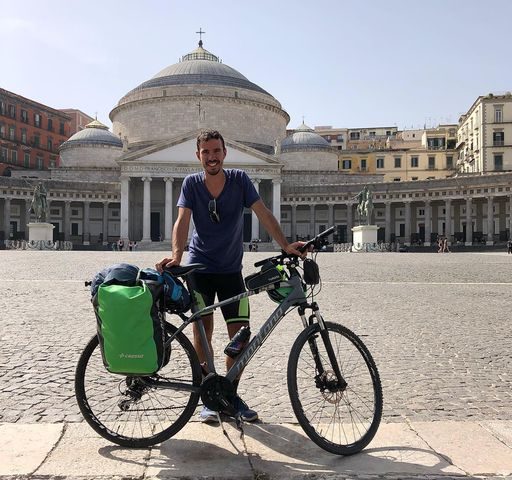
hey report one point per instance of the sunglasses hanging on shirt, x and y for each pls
(212, 209)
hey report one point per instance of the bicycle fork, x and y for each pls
(322, 381)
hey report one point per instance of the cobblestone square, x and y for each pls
(438, 327)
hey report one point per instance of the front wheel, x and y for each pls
(340, 419)
(136, 411)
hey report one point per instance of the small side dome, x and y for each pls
(94, 133)
(92, 147)
(304, 138)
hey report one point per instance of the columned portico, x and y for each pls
(255, 223)
(168, 208)
(146, 210)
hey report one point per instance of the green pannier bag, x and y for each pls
(130, 328)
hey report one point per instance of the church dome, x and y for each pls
(199, 92)
(199, 67)
(94, 133)
(304, 137)
(305, 150)
(93, 147)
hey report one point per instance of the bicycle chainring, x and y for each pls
(217, 392)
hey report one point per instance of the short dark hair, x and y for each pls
(206, 135)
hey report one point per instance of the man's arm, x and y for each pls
(273, 228)
(179, 239)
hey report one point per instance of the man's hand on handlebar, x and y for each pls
(166, 263)
(295, 249)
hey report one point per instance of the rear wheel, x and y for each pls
(132, 411)
(341, 420)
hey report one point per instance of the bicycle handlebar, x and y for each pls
(317, 242)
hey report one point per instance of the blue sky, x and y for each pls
(336, 62)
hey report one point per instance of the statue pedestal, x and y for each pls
(364, 236)
(40, 232)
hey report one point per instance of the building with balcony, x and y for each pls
(484, 137)
(30, 133)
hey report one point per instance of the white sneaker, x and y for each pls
(208, 416)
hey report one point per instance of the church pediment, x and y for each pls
(182, 151)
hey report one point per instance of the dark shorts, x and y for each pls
(206, 286)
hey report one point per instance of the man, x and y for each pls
(215, 198)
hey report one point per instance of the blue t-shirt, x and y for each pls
(219, 246)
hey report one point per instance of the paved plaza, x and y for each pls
(438, 326)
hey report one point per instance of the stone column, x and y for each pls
(448, 220)
(67, 220)
(490, 221)
(293, 229)
(7, 218)
(312, 220)
(86, 223)
(276, 198)
(125, 202)
(168, 208)
(255, 222)
(469, 223)
(407, 240)
(428, 223)
(387, 222)
(350, 221)
(146, 210)
(456, 218)
(105, 223)
(330, 216)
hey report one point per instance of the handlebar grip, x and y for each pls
(321, 235)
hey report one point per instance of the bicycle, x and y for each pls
(333, 382)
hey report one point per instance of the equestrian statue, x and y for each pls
(364, 206)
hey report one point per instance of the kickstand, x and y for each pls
(239, 426)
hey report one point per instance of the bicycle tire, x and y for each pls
(340, 422)
(151, 419)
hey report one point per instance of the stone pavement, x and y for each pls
(266, 451)
(438, 327)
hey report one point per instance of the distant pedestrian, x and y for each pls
(439, 244)
(445, 245)
(120, 244)
(130, 245)
(509, 246)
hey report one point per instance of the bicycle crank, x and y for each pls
(218, 393)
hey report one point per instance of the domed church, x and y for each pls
(158, 122)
